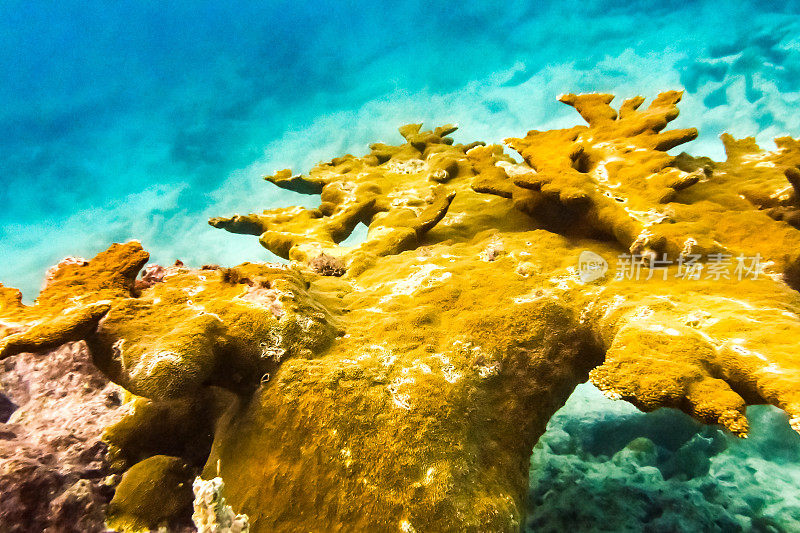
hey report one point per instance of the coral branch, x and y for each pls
(400, 383)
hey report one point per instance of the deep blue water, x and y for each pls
(125, 120)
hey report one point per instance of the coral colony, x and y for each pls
(401, 383)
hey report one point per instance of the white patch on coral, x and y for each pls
(736, 346)
(408, 198)
(772, 368)
(699, 318)
(450, 374)
(202, 310)
(14, 326)
(421, 278)
(488, 370)
(767, 268)
(153, 362)
(212, 514)
(536, 294)
(116, 349)
(514, 170)
(688, 245)
(400, 400)
(783, 194)
(794, 422)
(385, 355)
(191, 291)
(406, 527)
(658, 328)
(739, 302)
(455, 218)
(53, 270)
(429, 476)
(563, 283)
(306, 323)
(266, 299)
(271, 348)
(347, 456)
(642, 313)
(409, 166)
(492, 251)
(601, 172)
(757, 157)
(612, 394)
(647, 218)
(615, 304)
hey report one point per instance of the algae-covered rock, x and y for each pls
(156, 492)
(183, 427)
(606, 465)
(400, 383)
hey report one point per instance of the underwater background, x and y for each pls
(140, 120)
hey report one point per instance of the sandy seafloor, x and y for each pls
(125, 120)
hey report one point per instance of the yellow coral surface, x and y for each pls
(405, 392)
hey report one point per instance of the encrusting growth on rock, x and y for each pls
(212, 514)
(401, 383)
(327, 265)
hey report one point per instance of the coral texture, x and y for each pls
(140, 504)
(400, 383)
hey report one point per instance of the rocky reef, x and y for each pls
(603, 465)
(401, 383)
(54, 473)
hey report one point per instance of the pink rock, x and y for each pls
(52, 461)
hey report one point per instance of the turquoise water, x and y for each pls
(138, 120)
